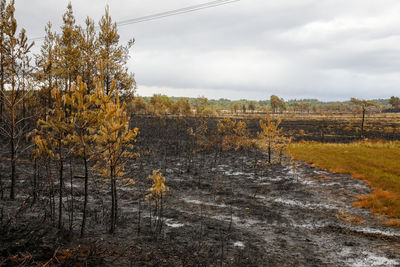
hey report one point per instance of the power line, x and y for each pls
(176, 12)
(169, 13)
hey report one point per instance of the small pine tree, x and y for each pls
(46, 64)
(114, 141)
(157, 193)
(363, 105)
(84, 121)
(270, 136)
(51, 140)
(88, 47)
(68, 52)
(14, 69)
(232, 134)
(114, 56)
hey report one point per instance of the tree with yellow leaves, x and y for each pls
(270, 137)
(229, 135)
(114, 56)
(233, 134)
(15, 67)
(51, 140)
(84, 119)
(157, 192)
(114, 140)
(182, 108)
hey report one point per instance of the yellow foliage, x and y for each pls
(270, 138)
(113, 138)
(129, 181)
(53, 130)
(158, 189)
(84, 117)
(230, 134)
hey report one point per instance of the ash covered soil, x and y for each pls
(231, 212)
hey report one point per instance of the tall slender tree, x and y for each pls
(114, 56)
(15, 68)
(3, 51)
(68, 52)
(88, 47)
(114, 141)
(46, 63)
(84, 120)
(52, 139)
(364, 105)
(3, 54)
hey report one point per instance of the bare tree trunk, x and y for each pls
(362, 123)
(269, 153)
(115, 202)
(61, 168)
(1, 80)
(13, 163)
(139, 216)
(86, 195)
(35, 178)
(71, 222)
(112, 222)
(12, 142)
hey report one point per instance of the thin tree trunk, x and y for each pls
(61, 168)
(139, 216)
(362, 123)
(112, 226)
(23, 99)
(49, 91)
(86, 195)
(72, 196)
(1, 79)
(12, 144)
(35, 178)
(115, 202)
(269, 153)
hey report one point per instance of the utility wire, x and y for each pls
(167, 13)
(176, 12)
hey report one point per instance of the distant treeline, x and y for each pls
(274, 104)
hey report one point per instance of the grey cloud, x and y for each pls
(331, 49)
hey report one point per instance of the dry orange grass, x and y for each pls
(376, 162)
(393, 222)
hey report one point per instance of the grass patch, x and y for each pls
(376, 162)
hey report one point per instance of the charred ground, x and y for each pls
(225, 210)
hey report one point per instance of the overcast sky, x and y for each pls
(325, 49)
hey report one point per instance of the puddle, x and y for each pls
(297, 203)
(238, 244)
(173, 224)
(366, 258)
(198, 202)
(320, 172)
(231, 173)
(308, 226)
(274, 179)
(236, 220)
(375, 231)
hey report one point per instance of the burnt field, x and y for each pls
(223, 208)
(336, 128)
